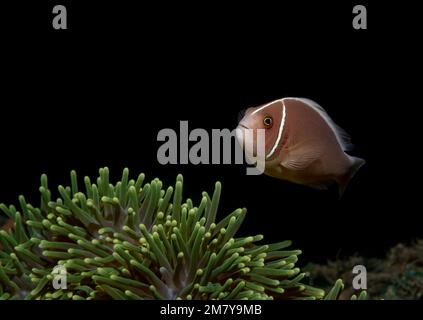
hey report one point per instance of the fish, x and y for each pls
(303, 144)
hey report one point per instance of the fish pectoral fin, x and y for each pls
(300, 162)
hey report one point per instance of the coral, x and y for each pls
(133, 240)
(398, 276)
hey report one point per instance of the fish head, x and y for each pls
(266, 117)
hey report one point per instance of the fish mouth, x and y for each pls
(243, 126)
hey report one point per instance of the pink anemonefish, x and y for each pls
(302, 144)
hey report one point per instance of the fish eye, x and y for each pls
(268, 121)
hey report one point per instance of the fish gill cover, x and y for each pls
(136, 240)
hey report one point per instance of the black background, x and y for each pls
(98, 93)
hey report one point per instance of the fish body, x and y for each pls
(302, 144)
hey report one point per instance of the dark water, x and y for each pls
(97, 96)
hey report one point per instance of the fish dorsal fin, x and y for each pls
(341, 135)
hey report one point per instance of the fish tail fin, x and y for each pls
(356, 164)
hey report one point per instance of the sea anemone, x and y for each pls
(135, 240)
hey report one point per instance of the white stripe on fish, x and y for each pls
(281, 126)
(266, 105)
